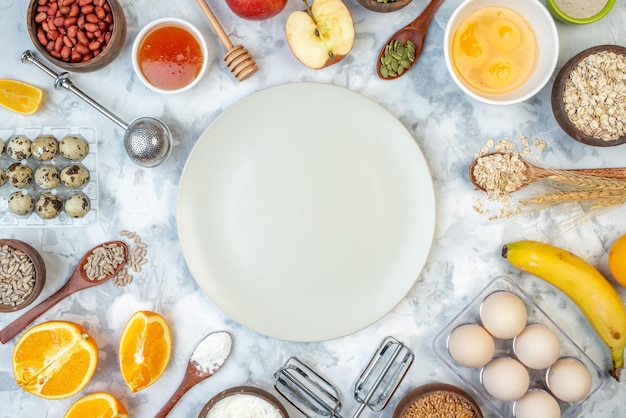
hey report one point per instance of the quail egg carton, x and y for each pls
(90, 189)
(471, 376)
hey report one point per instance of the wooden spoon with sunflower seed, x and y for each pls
(97, 266)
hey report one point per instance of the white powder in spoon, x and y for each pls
(210, 354)
(243, 406)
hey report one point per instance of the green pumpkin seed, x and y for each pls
(397, 58)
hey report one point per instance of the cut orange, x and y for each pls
(55, 359)
(617, 260)
(145, 349)
(97, 405)
(20, 97)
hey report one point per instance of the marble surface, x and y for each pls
(448, 127)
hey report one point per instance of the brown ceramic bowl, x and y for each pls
(558, 106)
(109, 51)
(431, 389)
(244, 390)
(40, 273)
(381, 7)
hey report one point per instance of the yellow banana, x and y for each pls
(582, 283)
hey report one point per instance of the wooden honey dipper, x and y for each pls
(237, 58)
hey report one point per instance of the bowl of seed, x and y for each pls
(22, 275)
(589, 96)
(384, 6)
(437, 399)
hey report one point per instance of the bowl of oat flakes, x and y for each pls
(437, 399)
(589, 96)
(22, 275)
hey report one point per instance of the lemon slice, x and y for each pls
(20, 97)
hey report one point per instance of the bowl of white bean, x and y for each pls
(22, 275)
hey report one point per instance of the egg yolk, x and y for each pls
(494, 50)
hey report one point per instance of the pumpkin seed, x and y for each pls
(397, 58)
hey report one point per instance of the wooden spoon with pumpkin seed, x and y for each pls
(405, 46)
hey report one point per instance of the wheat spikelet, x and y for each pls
(582, 181)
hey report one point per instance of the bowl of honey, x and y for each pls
(501, 52)
(170, 55)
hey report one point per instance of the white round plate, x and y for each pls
(306, 212)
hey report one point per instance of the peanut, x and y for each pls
(73, 30)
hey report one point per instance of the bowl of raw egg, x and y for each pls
(515, 357)
(170, 55)
(501, 52)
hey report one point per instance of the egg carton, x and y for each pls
(90, 162)
(504, 347)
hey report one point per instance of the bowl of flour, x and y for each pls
(244, 402)
(579, 12)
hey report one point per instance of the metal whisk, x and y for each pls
(314, 396)
(147, 141)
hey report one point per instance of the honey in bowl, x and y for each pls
(170, 55)
(494, 50)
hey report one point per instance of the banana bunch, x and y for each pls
(585, 285)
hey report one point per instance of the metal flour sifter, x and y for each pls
(314, 396)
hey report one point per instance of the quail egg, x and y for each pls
(20, 203)
(47, 177)
(19, 147)
(74, 176)
(19, 175)
(3, 177)
(44, 147)
(49, 205)
(77, 205)
(2, 146)
(74, 147)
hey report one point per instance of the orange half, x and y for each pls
(145, 349)
(55, 360)
(97, 405)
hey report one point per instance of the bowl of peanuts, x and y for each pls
(437, 399)
(22, 275)
(77, 35)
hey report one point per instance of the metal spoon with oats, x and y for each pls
(113, 254)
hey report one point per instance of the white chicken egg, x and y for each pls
(505, 379)
(569, 380)
(471, 345)
(537, 403)
(503, 314)
(537, 347)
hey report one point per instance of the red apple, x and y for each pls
(256, 9)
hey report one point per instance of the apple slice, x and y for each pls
(322, 34)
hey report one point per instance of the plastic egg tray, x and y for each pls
(90, 162)
(471, 376)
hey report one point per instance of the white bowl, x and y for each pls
(536, 14)
(164, 22)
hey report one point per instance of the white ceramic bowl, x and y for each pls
(534, 12)
(164, 22)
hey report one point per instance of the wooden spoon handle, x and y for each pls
(190, 379)
(428, 12)
(15, 327)
(215, 24)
